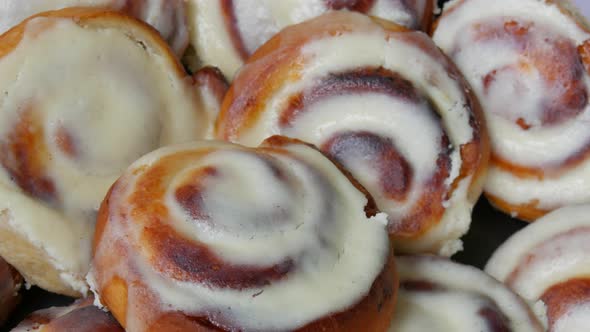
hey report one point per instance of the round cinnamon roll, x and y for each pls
(83, 94)
(225, 33)
(437, 294)
(548, 262)
(81, 316)
(213, 236)
(167, 16)
(528, 61)
(382, 101)
(10, 284)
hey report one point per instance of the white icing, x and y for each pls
(510, 253)
(330, 275)
(210, 38)
(540, 310)
(514, 95)
(258, 20)
(443, 238)
(167, 16)
(552, 251)
(569, 188)
(412, 129)
(398, 12)
(454, 306)
(386, 117)
(92, 286)
(117, 100)
(210, 104)
(577, 319)
(452, 311)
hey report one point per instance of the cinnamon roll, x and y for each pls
(10, 284)
(167, 16)
(529, 63)
(211, 87)
(382, 101)
(81, 316)
(84, 93)
(212, 236)
(437, 294)
(225, 33)
(548, 263)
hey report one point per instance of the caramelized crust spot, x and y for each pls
(24, 155)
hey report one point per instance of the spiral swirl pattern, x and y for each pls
(166, 16)
(230, 237)
(398, 116)
(437, 294)
(85, 93)
(529, 65)
(548, 262)
(227, 32)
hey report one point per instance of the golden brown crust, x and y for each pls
(560, 68)
(212, 79)
(114, 295)
(34, 262)
(97, 18)
(367, 315)
(281, 60)
(527, 212)
(373, 312)
(428, 18)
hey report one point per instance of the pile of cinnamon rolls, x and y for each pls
(258, 165)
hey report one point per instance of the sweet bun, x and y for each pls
(398, 115)
(528, 61)
(225, 33)
(167, 16)
(547, 263)
(437, 294)
(213, 236)
(85, 92)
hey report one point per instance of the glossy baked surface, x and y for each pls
(489, 229)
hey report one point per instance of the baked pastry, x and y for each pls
(212, 236)
(437, 294)
(528, 61)
(211, 87)
(548, 263)
(10, 284)
(81, 316)
(225, 33)
(397, 115)
(167, 16)
(85, 92)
